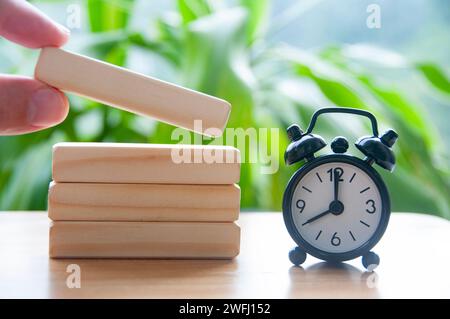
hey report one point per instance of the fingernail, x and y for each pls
(46, 107)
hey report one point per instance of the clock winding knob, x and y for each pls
(339, 145)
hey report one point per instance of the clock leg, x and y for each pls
(297, 256)
(370, 261)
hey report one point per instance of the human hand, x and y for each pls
(26, 104)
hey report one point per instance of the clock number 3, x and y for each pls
(300, 205)
(371, 209)
(335, 240)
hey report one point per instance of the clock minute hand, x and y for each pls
(336, 185)
(316, 217)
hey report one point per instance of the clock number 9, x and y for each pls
(335, 240)
(300, 205)
(372, 209)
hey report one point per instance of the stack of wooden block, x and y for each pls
(111, 200)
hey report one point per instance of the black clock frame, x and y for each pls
(292, 229)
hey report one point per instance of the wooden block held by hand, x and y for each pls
(131, 91)
(145, 163)
(143, 202)
(144, 240)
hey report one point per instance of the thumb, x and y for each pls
(27, 105)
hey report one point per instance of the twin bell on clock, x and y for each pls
(336, 207)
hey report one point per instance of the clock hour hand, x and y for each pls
(316, 217)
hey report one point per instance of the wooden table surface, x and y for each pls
(415, 262)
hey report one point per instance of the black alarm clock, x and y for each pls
(336, 207)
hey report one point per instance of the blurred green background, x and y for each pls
(276, 62)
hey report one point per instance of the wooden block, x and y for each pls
(131, 91)
(143, 202)
(144, 240)
(143, 163)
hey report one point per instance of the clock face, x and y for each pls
(336, 207)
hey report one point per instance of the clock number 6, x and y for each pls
(300, 205)
(372, 209)
(335, 240)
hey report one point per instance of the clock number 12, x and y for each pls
(339, 171)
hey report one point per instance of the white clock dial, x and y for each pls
(341, 230)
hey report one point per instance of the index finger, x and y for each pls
(22, 23)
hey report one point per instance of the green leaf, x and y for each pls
(257, 18)
(28, 183)
(435, 76)
(165, 48)
(339, 93)
(396, 103)
(191, 10)
(98, 45)
(216, 61)
(108, 15)
(413, 198)
(371, 54)
(336, 84)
